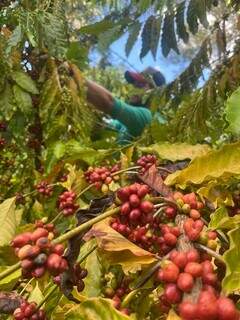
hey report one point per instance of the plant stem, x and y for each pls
(209, 251)
(85, 190)
(25, 287)
(57, 217)
(47, 296)
(163, 200)
(85, 226)
(159, 211)
(124, 170)
(87, 254)
(164, 169)
(10, 270)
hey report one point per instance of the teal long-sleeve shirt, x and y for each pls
(129, 120)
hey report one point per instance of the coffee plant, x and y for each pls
(95, 231)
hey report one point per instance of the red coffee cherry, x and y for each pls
(185, 282)
(194, 268)
(172, 293)
(188, 310)
(226, 309)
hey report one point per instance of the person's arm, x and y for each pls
(100, 97)
(97, 95)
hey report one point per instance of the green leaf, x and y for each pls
(93, 282)
(54, 153)
(76, 150)
(25, 82)
(180, 22)
(216, 218)
(169, 40)
(36, 295)
(233, 112)
(15, 39)
(150, 36)
(106, 38)
(176, 151)
(95, 309)
(133, 36)
(23, 99)
(222, 163)
(98, 27)
(192, 17)
(7, 107)
(8, 221)
(8, 283)
(77, 54)
(231, 281)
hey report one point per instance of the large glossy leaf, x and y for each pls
(95, 309)
(231, 282)
(119, 250)
(216, 194)
(176, 151)
(14, 39)
(23, 99)
(221, 163)
(10, 281)
(93, 282)
(8, 221)
(25, 82)
(221, 220)
(233, 112)
(216, 217)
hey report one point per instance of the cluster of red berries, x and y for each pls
(134, 208)
(3, 126)
(38, 254)
(44, 188)
(145, 162)
(29, 311)
(2, 142)
(77, 277)
(66, 203)
(137, 223)
(101, 177)
(193, 228)
(209, 306)
(189, 204)
(118, 294)
(179, 276)
(34, 143)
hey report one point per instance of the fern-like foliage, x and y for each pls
(165, 22)
(200, 115)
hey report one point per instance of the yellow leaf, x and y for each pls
(75, 180)
(222, 163)
(176, 151)
(172, 315)
(8, 221)
(119, 250)
(216, 194)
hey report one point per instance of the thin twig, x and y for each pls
(47, 296)
(209, 251)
